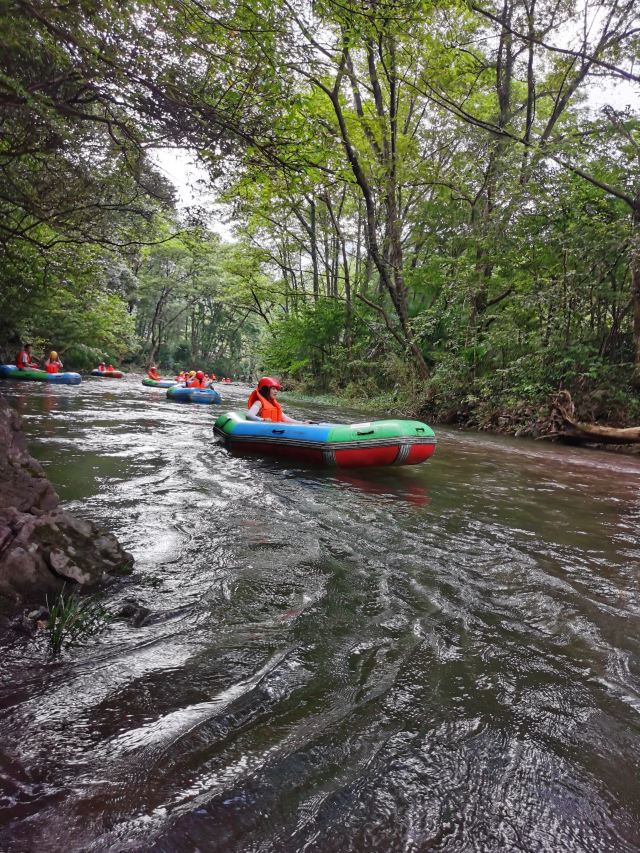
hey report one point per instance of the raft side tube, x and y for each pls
(10, 371)
(107, 374)
(180, 394)
(389, 442)
(159, 383)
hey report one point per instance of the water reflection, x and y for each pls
(396, 486)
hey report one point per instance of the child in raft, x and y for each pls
(53, 364)
(263, 406)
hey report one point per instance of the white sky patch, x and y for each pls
(618, 94)
(193, 186)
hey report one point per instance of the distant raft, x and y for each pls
(180, 394)
(389, 442)
(10, 371)
(107, 374)
(159, 383)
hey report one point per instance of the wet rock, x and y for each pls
(42, 547)
(134, 613)
(22, 625)
(38, 614)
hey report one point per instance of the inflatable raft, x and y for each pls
(159, 383)
(180, 394)
(10, 371)
(107, 374)
(389, 442)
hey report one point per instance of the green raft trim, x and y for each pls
(39, 375)
(155, 383)
(364, 433)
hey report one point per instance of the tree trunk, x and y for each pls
(314, 249)
(634, 251)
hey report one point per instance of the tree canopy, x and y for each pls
(426, 201)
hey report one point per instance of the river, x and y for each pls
(441, 657)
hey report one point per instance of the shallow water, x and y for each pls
(442, 657)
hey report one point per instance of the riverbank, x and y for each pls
(531, 417)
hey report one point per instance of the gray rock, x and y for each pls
(38, 614)
(42, 547)
(136, 614)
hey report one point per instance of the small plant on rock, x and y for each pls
(73, 619)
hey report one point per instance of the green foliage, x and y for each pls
(306, 344)
(422, 213)
(64, 304)
(190, 303)
(87, 328)
(73, 619)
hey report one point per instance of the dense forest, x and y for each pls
(431, 206)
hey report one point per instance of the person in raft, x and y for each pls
(152, 373)
(53, 363)
(24, 360)
(111, 367)
(102, 367)
(263, 406)
(198, 381)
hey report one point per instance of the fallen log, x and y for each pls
(567, 428)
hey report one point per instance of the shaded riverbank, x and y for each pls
(534, 419)
(441, 657)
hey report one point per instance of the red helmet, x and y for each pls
(200, 374)
(268, 382)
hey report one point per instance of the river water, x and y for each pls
(441, 657)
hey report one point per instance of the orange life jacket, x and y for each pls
(52, 366)
(197, 383)
(153, 374)
(23, 361)
(270, 410)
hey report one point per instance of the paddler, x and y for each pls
(198, 381)
(263, 406)
(24, 361)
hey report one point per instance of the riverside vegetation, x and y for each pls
(434, 205)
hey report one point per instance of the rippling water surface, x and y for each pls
(443, 657)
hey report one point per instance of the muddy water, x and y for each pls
(443, 657)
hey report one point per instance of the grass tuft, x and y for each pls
(73, 619)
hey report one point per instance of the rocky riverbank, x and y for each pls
(42, 547)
